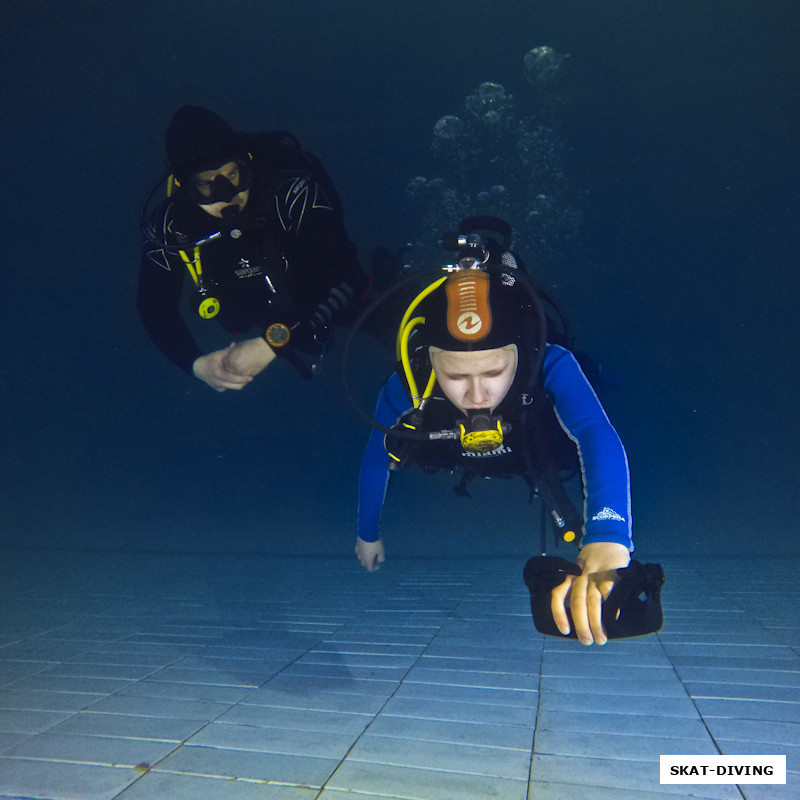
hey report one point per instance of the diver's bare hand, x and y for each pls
(370, 554)
(585, 593)
(248, 357)
(211, 369)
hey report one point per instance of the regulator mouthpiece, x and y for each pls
(480, 432)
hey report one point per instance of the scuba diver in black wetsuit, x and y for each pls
(256, 223)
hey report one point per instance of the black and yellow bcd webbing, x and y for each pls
(208, 307)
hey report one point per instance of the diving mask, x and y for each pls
(231, 179)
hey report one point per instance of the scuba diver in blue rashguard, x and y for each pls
(482, 389)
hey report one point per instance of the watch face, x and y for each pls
(277, 334)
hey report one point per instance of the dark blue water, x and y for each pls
(676, 130)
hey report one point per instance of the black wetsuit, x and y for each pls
(286, 258)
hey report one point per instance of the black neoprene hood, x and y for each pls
(475, 310)
(198, 139)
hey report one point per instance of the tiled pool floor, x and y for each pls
(156, 677)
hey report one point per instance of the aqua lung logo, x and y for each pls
(469, 317)
(469, 323)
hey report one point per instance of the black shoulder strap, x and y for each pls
(549, 455)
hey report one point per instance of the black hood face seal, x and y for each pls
(521, 392)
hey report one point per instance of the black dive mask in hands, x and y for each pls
(632, 609)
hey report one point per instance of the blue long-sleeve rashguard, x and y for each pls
(604, 463)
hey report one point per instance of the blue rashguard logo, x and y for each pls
(607, 513)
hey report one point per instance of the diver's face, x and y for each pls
(203, 186)
(479, 379)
